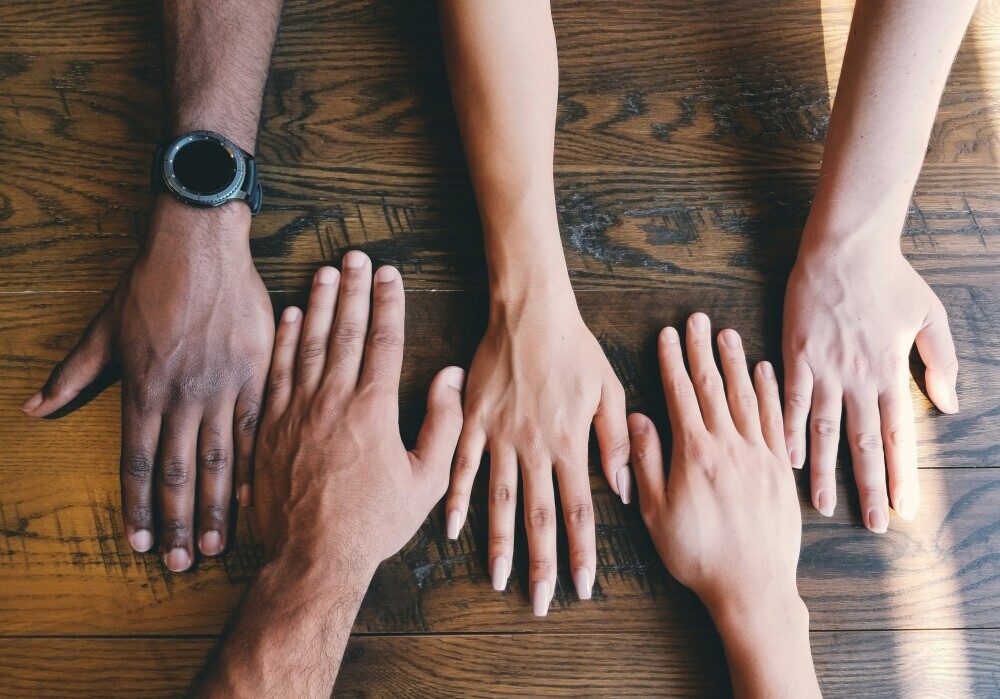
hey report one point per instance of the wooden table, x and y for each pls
(689, 139)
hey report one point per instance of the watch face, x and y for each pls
(204, 168)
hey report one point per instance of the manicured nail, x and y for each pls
(670, 335)
(795, 456)
(210, 543)
(903, 508)
(177, 560)
(290, 315)
(583, 582)
(386, 274)
(825, 503)
(700, 322)
(454, 523)
(455, 378)
(766, 370)
(243, 495)
(354, 260)
(499, 572)
(731, 338)
(141, 540)
(540, 597)
(326, 275)
(33, 402)
(878, 520)
(624, 481)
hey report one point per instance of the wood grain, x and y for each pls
(928, 664)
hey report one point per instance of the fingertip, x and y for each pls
(455, 377)
(669, 336)
(765, 370)
(730, 338)
(33, 402)
(290, 315)
(244, 495)
(355, 259)
(699, 321)
(387, 274)
(326, 275)
(141, 540)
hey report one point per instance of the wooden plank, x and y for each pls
(692, 153)
(65, 567)
(941, 664)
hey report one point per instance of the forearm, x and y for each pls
(767, 647)
(217, 61)
(291, 633)
(897, 61)
(503, 70)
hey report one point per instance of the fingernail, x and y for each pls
(795, 456)
(141, 540)
(540, 597)
(177, 560)
(953, 403)
(670, 335)
(700, 322)
(766, 370)
(455, 378)
(454, 523)
(290, 315)
(624, 481)
(878, 520)
(354, 260)
(583, 583)
(903, 508)
(243, 495)
(386, 274)
(211, 543)
(731, 338)
(326, 275)
(825, 503)
(33, 402)
(499, 572)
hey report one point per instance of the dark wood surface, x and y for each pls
(688, 144)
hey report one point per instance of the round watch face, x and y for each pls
(204, 168)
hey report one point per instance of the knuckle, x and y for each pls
(620, 450)
(213, 512)
(825, 427)
(898, 435)
(745, 398)
(248, 420)
(541, 568)
(384, 339)
(797, 400)
(465, 467)
(312, 349)
(176, 472)
(709, 382)
(868, 443)
(541, 517)
(695, 452)
(143, 396)
(281, 379)
(501, 495)
(500, 540)
(139, 513)
(579, 514)
(138, 467)
(178, 527)
(347, 332)
(680, 389)
(215, 460)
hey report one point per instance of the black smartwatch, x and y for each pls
(203, 168)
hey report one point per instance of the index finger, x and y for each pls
(682, 404)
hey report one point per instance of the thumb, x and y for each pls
(439, 435)
(78, 370)
(937, 349)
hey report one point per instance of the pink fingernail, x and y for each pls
(825, 503)
(33, 402)
(177, 560)
(623, 479)
(731, 338)
(141, 541)
(326, 275)
(766, 370)
(540, 597)
(583, 582)
(386, 274)
(700, 322)
(499, 572)
(290, 315)
(243, 495)
(454, 523)
(455, 378)
(670, 335)
(355, 259)
(795, 456)
(210, 543)
(878, 520)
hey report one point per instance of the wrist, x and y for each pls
(327, 582)
(759, 618)
(174, 225)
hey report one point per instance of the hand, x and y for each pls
(850, 322)
(538, 381)
(191, 325)
(726, 521)
(333, 480)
